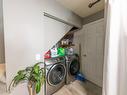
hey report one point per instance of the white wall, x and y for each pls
(54, 31)
(54, 8)
(2, 59)
(24, 36)
(28, 32)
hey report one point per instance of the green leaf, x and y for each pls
(36, 69)
(36, 77)
(33, 74)
(21, 72)
(18, 79)
(42, 79)
(38, 86)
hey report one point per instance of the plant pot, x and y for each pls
(34, 91)
(31, 89)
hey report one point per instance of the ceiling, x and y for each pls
(80, 7)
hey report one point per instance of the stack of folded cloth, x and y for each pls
(75, 88)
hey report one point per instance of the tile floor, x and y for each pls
(89, 87)
(92, 89)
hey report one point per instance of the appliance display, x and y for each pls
(55, 74)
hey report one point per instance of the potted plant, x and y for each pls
(34, 76)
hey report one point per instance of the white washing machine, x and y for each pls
(73, 67)
(55, 74)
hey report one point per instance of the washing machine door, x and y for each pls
(56, 74)
(74, 67)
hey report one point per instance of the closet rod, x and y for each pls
(58, 19)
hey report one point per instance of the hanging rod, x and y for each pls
(92, 4)
(58, 19)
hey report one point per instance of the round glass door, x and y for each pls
(74, 67)
(56, 74)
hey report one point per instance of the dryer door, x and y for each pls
(56, 74)
(74, 67)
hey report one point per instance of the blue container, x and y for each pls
(80, 77)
